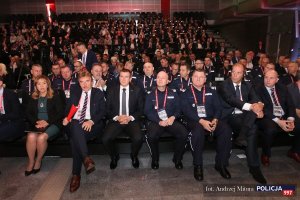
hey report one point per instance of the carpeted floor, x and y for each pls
(144, 183)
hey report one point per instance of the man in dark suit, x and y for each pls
(86, 124)
(88, 57)
(201, 106)
(279, 66)
(294, 92)
(28, 84)
(11, 121)
(162, 108)
(124, 109)
(290, 77)
(237, 56)
(258, 71)
(241, 107)
(279, 112)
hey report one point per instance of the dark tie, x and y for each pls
(275, 101)
(83, 59)
(83, 111)
(124, 102)
(237, 92)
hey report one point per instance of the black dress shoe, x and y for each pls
(178, 164)
(27, 173)
(198, 173)
(135, 161)
(35, 171)
(154, 164)
(223, 171)
(114, 161)
(257, 175)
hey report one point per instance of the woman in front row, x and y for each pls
(45, 113)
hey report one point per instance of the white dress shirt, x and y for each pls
(81, 102)
(127, 99)
(127, 103)
(276, 119)
(246, 106)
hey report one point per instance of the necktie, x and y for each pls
(83, 111)
(237, 92)
(275, 101)
(83, 59)
(124, 102)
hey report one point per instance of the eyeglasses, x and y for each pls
(198, 63)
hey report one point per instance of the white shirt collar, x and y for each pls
(235, 84)
(127, 87)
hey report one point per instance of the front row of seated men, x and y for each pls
(240, 109)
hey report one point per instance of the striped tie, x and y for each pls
(275, 101)
(83, 111)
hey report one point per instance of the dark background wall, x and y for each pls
(245, 34)
(69, 6)
(280, 23)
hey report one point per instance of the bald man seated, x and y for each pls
(279, 113)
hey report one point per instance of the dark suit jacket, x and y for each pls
(135, 102)
(280, 69)
(54, 109)
(287, 79)
(284, 98)
(97, 103)
(12, 106)
(294, 94)
(90, 59)
(229, 100)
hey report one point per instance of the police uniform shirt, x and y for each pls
(210, 99)
(172, 104)
(180, 84)
(147, 83)
(52, 77)
(64, 85)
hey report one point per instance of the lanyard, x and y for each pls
(195, 98)
(63, 84)
(182, 83)
(165, 99)
(145, 82)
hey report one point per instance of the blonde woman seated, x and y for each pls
(44, 113)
